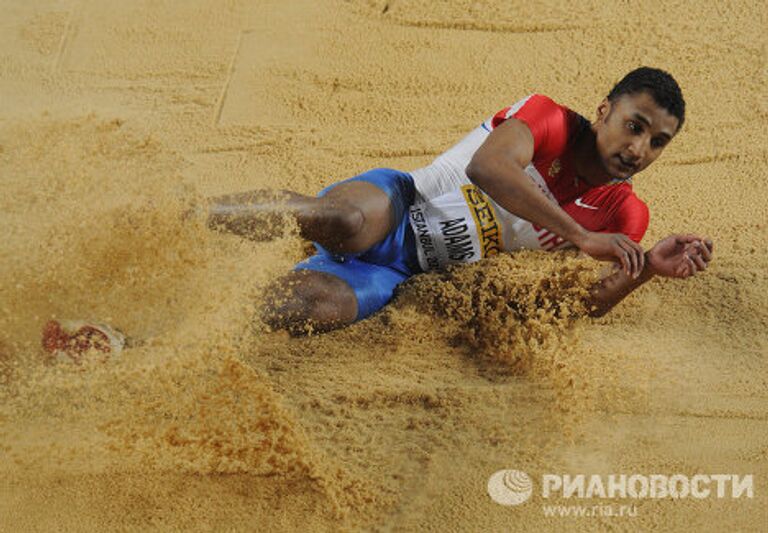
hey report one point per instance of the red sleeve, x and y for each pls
(547, 121)
(631, 218)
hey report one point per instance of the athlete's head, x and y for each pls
(637, 120)
(659, 84)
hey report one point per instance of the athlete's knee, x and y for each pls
(344, 227)
(346, 219)
(296, 314)
(303, 304)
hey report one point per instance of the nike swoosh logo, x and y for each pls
(582, 204)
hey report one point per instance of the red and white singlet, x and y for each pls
(456, 222)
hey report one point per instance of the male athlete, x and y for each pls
(536, 175)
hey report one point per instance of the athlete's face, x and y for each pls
(632, 131)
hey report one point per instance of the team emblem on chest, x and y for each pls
(554, 168)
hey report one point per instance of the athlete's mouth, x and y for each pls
(626, 164)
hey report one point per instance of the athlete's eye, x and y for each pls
(634, 127)
(658, 143)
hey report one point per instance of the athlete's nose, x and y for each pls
(636, 149)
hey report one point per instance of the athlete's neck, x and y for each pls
(586, 159)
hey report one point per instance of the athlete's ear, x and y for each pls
(603, 110)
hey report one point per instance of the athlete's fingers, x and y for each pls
(620, 254)
(636, 255)
(640, 257)
(691, 265)
(699, 261)
(704, 251)
(623, 256)
(700, 254)
(686, 267)
(623, 253)
(639, 254)
(632, 260)
(687, 238)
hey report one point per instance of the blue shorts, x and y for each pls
(374, 273)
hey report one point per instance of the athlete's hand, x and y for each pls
(680, 256)
(614, 247)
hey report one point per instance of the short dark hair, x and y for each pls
(659, 84)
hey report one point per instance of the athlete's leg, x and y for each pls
(350, 218)
(361, 229)
(323, 293)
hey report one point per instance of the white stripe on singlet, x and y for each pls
(448, 171)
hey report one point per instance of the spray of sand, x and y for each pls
(115, 246)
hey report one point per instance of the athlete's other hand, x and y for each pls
(614, 247)
(680, 256)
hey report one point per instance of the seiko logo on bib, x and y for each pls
(488, 228)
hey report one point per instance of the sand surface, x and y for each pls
(115, 116)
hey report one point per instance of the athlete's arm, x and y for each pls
(677, 256)
(498, 168)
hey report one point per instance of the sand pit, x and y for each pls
(115, 117)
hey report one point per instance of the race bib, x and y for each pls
(466, 225)
(462, 226)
